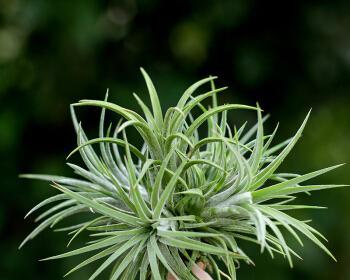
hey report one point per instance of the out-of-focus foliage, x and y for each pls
(287, 57)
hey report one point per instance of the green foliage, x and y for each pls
(180, 198)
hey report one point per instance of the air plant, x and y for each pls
(180, 198)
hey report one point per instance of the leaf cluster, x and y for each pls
(180, 197)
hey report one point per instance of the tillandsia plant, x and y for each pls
(180, 199)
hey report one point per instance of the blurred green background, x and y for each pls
(288, 56)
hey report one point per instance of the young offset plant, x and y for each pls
(179, 199)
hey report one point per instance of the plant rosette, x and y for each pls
(181, 198)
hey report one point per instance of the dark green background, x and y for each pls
(287, 55)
